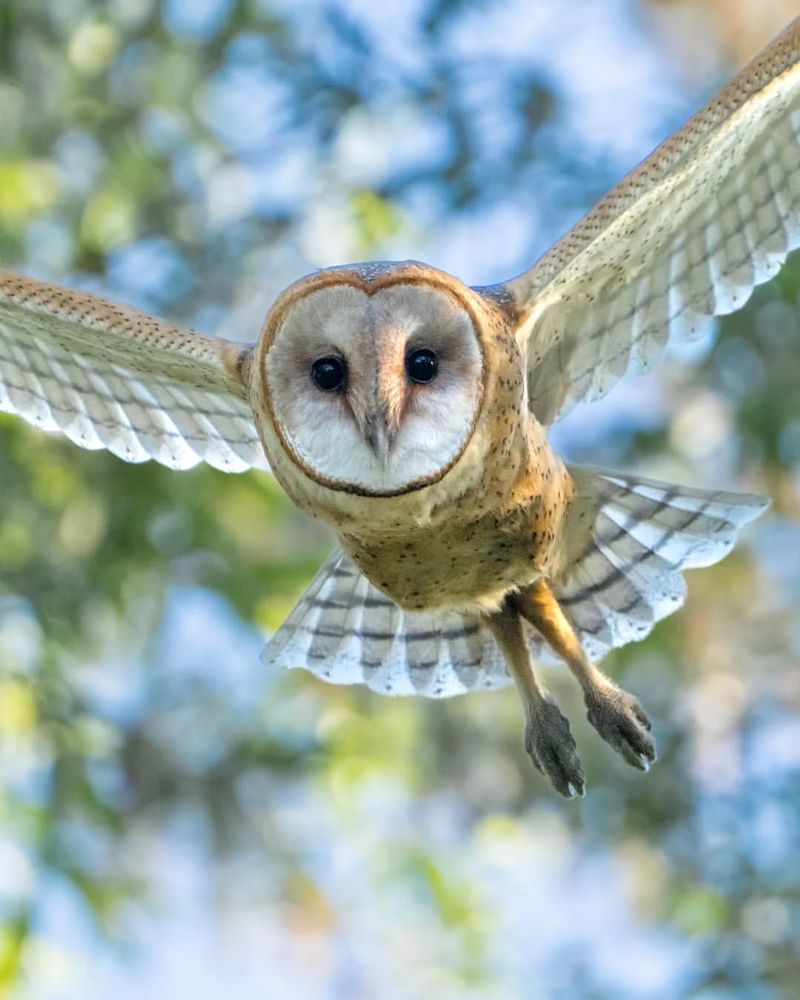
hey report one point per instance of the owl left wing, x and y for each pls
(111, 377)
(687, 236)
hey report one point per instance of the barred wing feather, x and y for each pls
(685, 237)
(346, 631)
(626, 571)
(111, 377)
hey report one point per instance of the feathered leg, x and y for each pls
(547, 737)
(616, 715)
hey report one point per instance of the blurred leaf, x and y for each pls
(28, 188)
(18, 715)
(700, 911)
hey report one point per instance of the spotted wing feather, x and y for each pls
(685, 237)
(630, 540)
(111, 377)
(346, 631)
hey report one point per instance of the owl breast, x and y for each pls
(462, 565)
(484, 543)
(488, 520)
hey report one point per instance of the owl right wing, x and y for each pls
(346, 631)
(628, 541)
(687, 236)
(110, 377)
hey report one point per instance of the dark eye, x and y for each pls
(328, 373)
(422, 365)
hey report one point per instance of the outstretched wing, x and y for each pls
(712, 213)
(346, 631)
(111, 377)
(632, 539)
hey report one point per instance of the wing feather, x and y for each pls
(627, 572)
(110, 377)
(346, 631)
(685, 237)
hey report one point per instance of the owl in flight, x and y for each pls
(410, 413)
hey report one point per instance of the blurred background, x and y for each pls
(175, 821)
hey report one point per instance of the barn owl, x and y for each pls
(410, 413)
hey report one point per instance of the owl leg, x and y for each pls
(616, 715)
(547, 737)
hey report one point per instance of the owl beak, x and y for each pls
(378, 435)
(378, 411)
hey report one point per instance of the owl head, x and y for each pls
(372, 377)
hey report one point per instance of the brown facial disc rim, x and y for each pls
(327, 278)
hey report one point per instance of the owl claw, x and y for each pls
(552, 749)
(621, 721)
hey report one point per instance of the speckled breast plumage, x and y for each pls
(490, 525)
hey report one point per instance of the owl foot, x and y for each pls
(621, 721)
(552, 749)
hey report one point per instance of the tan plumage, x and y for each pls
(110, 377)
(712, 213)
(408, 411)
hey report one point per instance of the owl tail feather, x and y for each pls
(346, 631)
(628, 540)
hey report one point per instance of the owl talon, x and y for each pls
(552, 749)
(621, 721)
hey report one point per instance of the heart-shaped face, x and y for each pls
(374, 392)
